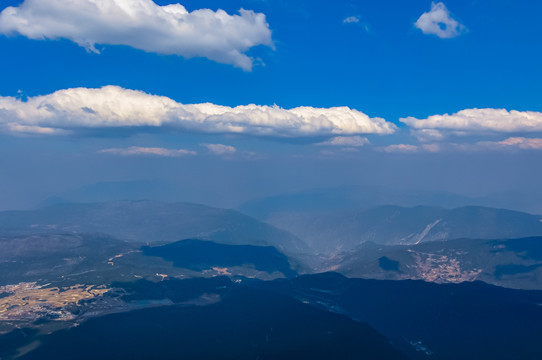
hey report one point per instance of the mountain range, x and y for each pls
(512, 263)
(180, 280)
(149, 222)
(336, 232)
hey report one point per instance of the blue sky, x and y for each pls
(365, 55)
(392, 70)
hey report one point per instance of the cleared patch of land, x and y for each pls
(29, 301)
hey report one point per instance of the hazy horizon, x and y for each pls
(300, 96)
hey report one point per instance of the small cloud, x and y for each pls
(408, 148)
(427, 135)
(439, 22)
(136, 150)
(513, 142)
(220, 149)
(356, 20)
(29, 130)
(401, 148)
(346, 141)
(475, 122)
(351, 20)
(509, 144)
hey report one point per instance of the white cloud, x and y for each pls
(401, 148)
(427, 135)
(439, 22)
(114, 107)
(513, 142)
(220, 149)
(144, 25)
(475, 122)
(508, 144)
(356, 20)
(136, 150)
(351, 20)
(408, 148)
(347, 141)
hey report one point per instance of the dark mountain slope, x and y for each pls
(247, 324)
(50, 257)
(452, 321)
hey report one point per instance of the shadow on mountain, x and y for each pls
(202, 255)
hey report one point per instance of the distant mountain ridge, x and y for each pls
(135, 190)
(387, 242)
(333, 233)
(351, 198)
(149, 222)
